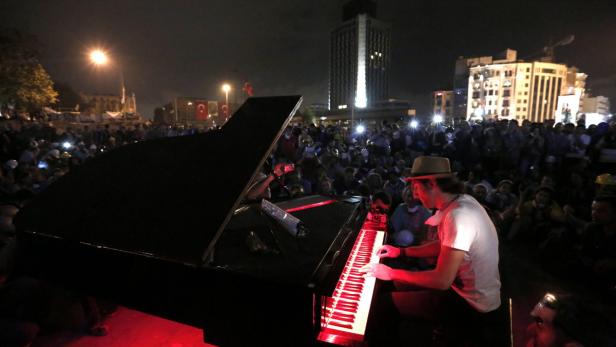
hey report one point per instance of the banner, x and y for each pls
(567, 109)
(201, 110)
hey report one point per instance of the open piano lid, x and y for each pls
(167, 198)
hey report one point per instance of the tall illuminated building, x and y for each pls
(360, 56)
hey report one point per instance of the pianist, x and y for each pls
(464, 289)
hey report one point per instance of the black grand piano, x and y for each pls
(162, 226)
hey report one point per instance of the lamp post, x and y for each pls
(226, 88)
(99, 57)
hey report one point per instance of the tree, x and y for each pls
(67, 97)
(24, 82)
(308, 116)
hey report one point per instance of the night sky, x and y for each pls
(190, 47)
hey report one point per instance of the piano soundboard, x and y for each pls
(344, 316)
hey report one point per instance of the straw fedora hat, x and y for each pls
(430, 167)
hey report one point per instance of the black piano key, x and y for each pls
(349, 286)
(354, 297)
(342, 314)
(347, 302)
(356, 282)
(342, 325)
(343, 318)
(352, 291)
(350, 309)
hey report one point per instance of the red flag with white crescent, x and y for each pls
(201, 111)
(248, 89)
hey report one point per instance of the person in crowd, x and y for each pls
(408, 221)
(480, 192)
(260, 188)
(605, 184)
(394, 186)
(373, 183)
(537, 218)
(576, 195)
(566, 321)
(380, 202)
(476, 176)
(325, 187)
(502, 199)
(347, 184)
(288, 145)
(464, 285)
(598, 243)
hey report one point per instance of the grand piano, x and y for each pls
(162, 226)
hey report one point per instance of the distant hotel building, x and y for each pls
(511, 89)
(360, 56)
(595, 109)
(460, 82)
(597, 104)
(443, 103)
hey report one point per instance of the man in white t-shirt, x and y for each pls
(466, 278)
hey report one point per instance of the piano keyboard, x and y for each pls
(345, 315)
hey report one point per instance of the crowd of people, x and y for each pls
(548, 188)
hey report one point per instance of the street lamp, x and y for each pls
(226, 88)
(99, 57)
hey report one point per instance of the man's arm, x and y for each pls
(257, 190)
(430, 249)
(440, 278)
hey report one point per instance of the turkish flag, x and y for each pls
(248, 88)
(201, 111)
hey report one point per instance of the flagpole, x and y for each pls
(123, 90)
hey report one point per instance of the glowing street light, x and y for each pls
(413, 124)
(226, 88)
(360, 129)
(98, 57)
(437, 118)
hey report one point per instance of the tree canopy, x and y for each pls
(68, 97)
(24, 82)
